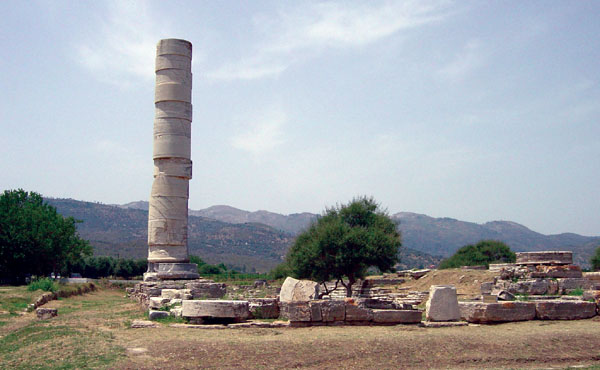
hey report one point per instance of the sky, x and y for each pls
(474, 110)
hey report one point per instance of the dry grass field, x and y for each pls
(92, 331)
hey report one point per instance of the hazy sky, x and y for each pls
(476, 110)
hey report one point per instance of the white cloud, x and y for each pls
(264, 134)
(469, 58)
(122, 53)
(304, 31)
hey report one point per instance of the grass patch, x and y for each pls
(576, 292)
(45, 284)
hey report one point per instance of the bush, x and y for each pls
(45, 284)
(482, 253)
(595, 261)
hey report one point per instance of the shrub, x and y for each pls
(45, 284)
(595, 261)
(482, 253)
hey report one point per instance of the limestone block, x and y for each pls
(216, 309)
(171, 146)
(561, 271)
(176, 311)
(530, 286)
(167, 208)
(175, 167)
(174, 46)
(143, 324)
(299, 311)
(356, 313)
(595, 276)
(333, 310)
(315, 311)
(480, 312)
(496, 267)
(567, 285)
(264, 308)
(173, 109)
(167, 253)
(564, 310)
(591, 295)
(545, 257)
(397, 316)
(488, 298)
(173, 91)
(154, 315)
(172, 75)
(158, 302)
(171, 294)
(172, 126)
(169, 186)
(172, 62)
(178, 271)
(203, 290)
(442, 304)
(46, 313)
(294, 290)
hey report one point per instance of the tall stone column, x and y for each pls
(168, 209)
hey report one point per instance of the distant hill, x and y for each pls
(260, 239)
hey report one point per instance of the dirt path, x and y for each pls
(93, 331)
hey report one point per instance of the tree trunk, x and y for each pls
(351, 281)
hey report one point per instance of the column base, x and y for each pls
(171, 271)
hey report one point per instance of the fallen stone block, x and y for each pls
(397, 316)
(356, 313)
(545, 257)
(480, 312)
(294, 290)
(176, 311)
(46, 313)
(155, 315)
(564, 310)
(171, 294)
(143, 324)
(204, 290)
(532, 286)
(442, 304)
(504, 296)
(237, 310)
(264, 308)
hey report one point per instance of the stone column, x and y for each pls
(168, 209)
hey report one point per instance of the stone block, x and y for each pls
(561, 271)
(333, 310)
(238, 310)
(206, 289)
(177, 270)
(154, 315)
(46, 313)
(488, 298)
(382, 304)
(158, 302)
(356, 313)
(442, 304)
(44, 298)
(176, 311)
(480, 312)
(530, 286)
(486, 288)
(299, 312)
(264, 308)
(294, 290)
(143, 324)
(564, 310)
(315, 311)
(592, 275)
(591, 295)
(496, 267)
(545, 258)
(567, 285)
(171, 293)
(397, 316)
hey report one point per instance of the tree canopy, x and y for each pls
(344, 242)
(595, 260)
(482, 253)
(34, 238)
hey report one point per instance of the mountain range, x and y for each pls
(257, 241)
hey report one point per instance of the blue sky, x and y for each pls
(475, 110)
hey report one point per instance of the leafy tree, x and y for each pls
(482, 253)
(344, 242)
(595, 261)
(34, 238)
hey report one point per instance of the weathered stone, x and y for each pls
(486, 288)
(397, 316)
(46, 313)
(143, 324)
(564, 310)
(488, 298)
(356, 313)
(497, 267)
(44, 298)
(592, 275)
(505, 296)
(545, 257)
(206, 289)
(238, 310)
(532, 286)
(299, 311)
(442, 304)
(479, 312)
(154, 315)
(158, 302)
(171, 293)
(561, 271)
(315, 311)
(176, 311)
(333, 310)
(568, 285)
(294, 290)
(591, 295)
(264, 308)
(177, 271)
(382, 304)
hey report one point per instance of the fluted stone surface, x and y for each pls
(168, 209)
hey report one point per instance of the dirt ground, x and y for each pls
(93, 331)
(467, 282)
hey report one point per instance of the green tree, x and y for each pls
(34, 238)
(595, 261)
(482, 253)
(344, 242)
